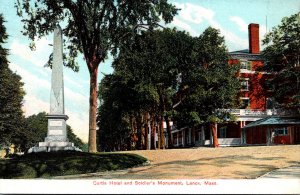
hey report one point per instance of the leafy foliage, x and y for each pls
(283, 55)
(11, 98)
(168, 75)
(92, 27)
(116, 99)
(209, 83)
(143, 84)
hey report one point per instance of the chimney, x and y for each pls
(253, 30)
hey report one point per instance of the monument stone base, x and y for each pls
(56, 139)
(53, 147)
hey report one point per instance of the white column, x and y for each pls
(216, 127)
(194, 137)
(269, 138)
(211, 136)
(243, 139)
(202, 136)
(149, 136)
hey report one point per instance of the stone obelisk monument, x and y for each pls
(57, 133)
(57, 118)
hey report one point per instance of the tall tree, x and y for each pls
(115, 102)
(208, 84)
(11, 97)
(283, 56)
(153, 63)
(93, 28)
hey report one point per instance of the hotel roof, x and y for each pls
(274, 121)
(244, 54)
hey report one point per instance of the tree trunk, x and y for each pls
(158, 135)
(139, 133)
(162, 135)
(153, 132)
(215, 136)
(133, 133)
(149, 135)
(146, 135)
(169, 130)
(93, 110)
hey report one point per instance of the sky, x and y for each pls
(231, 17)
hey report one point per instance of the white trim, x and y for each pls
(244, 98)
(253, 72)
(177, 130)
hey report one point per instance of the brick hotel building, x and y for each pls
(258, 123)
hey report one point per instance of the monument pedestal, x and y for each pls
(56, 139)
(57, 128)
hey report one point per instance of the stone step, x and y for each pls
(56, 144)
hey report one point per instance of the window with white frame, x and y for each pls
(245, 102)
(223, 132)
(244, 84)
(281, 131)
(246, 65)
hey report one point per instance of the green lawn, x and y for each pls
(46, 165)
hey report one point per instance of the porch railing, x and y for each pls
(251, 112)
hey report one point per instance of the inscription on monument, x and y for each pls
(55, 132)
(56, 123)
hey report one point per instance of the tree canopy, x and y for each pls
(146, 73)
(209, 83)
(167, 75)
(283, 55)
(11, 98)
(93, 28)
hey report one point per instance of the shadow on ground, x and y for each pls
(46, 165)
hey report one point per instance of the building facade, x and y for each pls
(255, 97)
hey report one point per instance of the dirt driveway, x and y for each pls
(209, 163)
(217, 163)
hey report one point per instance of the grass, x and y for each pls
(46, 165)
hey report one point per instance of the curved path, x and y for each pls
(292, 172)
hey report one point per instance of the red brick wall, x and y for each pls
(257, 92)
